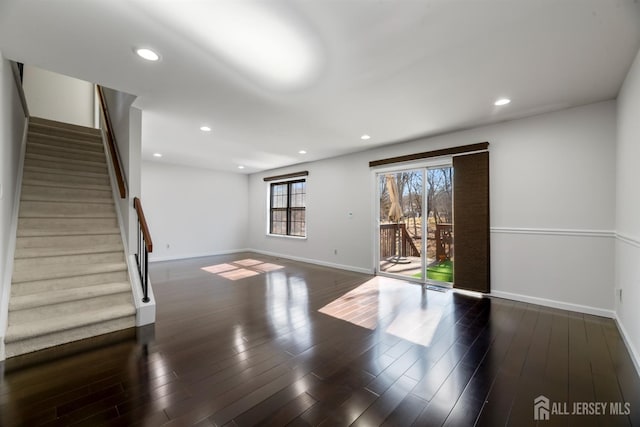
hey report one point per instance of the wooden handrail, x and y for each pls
(111, 143)
(143, 224)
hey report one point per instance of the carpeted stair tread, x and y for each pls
(62, 337)
(39, 246)
(94, 146)
(60, 271)
(65, 180)
(66, 322)
(32, 168)
(46, 285)
(40, 121)
(34, 160)
(61, 184)
(61, 158)
(29, 209)
(83, 303)
(62, 194)
(66, 226)
(65, 152)
(79, 260)
(66, 131)
(29, 301)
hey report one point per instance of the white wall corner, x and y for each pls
(635, 356)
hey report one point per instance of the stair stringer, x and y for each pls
(5, 291)
(145, 312)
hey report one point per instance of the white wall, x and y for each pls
(552, 207)
(57, 97)
(194, 212)
(12, 122)
(628, 209)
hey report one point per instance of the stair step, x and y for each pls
(56, 141)
(28, 345)
(57, 271)
(65, 152)
(65, 172)
(30, 209)
(40, 246)
(28, 227)
(35, 160)
(64, 133)
(39, 121)
(31, 301)
(61, 194)
(59, 261)
(66, 226)
(69, 185)
(64, 180)
(67, 322)
(78, 306)
(48, 285)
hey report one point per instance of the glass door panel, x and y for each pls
(439, 224)
(401, 196)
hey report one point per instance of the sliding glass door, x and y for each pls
(415, 223)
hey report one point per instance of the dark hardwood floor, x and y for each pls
(244, 340)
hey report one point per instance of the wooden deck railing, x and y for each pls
(389, 234)
(111, 144)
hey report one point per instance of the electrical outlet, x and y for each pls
(168, 246)
(620, 294)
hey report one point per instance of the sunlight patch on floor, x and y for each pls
(241, 269)
(376, 303)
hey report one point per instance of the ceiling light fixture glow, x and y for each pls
(147, 54)
(502, 101)
(365, 137)
(268, 42)
(240, 167)
(157, 155)
(302, 152)
(205, 128)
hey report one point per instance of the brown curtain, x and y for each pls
(471, 222)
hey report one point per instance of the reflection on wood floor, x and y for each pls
(300, 345)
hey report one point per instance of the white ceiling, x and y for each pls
(319, 74)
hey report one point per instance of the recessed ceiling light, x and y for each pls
(365, 137)
(502, 101)
(240, 167)
(157, 155)
(205, 128)
(302, 152)
(147, 54)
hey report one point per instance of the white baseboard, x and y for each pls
(555, 304)
(196, 255)
(316, 262)
(258, 251)
(635, 357)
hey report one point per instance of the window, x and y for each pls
(287, 209)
